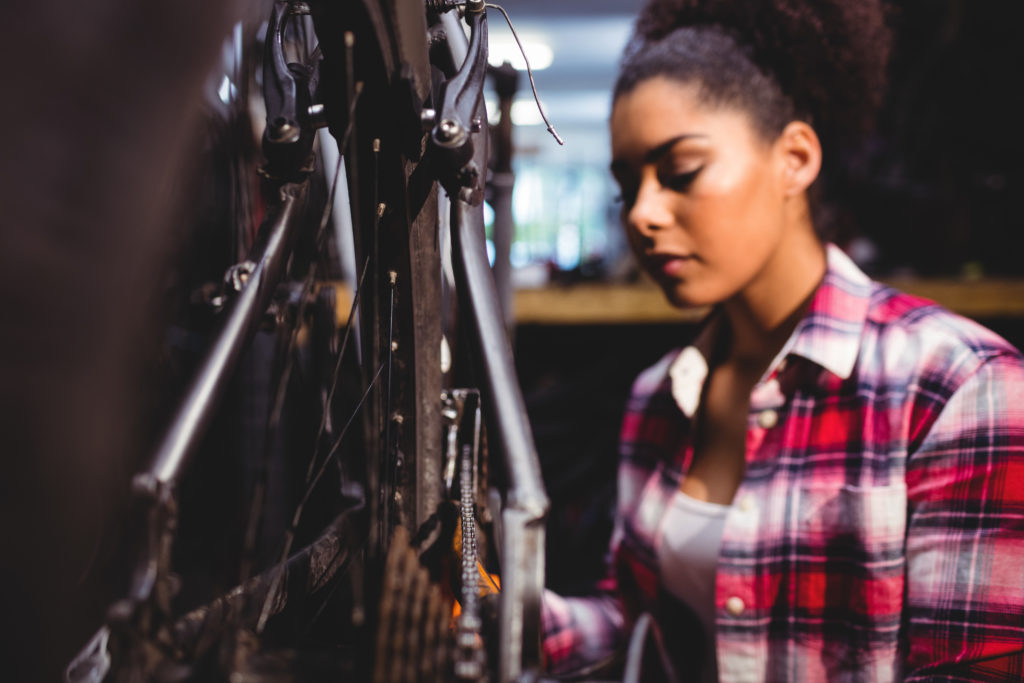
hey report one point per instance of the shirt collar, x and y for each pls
(690, 368)
(831, 332)
(828, 335)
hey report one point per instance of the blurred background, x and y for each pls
(936, 192)
(935, 206)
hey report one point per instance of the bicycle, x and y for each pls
(369, 81)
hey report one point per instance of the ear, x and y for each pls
(799, 151)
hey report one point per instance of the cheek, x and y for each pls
(738, 206)
(732, 186)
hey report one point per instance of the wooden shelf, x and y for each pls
(984, 298)
(611, 304)
(643, 302)
(598, 304)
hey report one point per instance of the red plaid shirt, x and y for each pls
(878, 533)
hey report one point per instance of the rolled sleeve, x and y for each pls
(580, 633)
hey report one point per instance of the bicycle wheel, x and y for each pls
(381, 53)
(369, 76)
(394, 208)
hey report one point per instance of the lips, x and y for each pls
(670, 265)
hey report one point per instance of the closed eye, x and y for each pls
(680, 182)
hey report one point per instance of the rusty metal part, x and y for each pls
(413, 641)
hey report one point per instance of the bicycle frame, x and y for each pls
(458, 149)
(525, 502)
(258, 277)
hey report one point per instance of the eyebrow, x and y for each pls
(655, 153)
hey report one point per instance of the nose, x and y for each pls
(650, 211)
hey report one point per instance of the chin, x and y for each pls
(685, 297)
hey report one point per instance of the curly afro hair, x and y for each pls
(823, 61)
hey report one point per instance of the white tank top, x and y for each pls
(691, 535)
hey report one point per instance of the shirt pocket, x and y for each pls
(847, 580)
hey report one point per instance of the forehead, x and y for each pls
(658, 93)
(659, 109)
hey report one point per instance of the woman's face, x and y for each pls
(703, 194)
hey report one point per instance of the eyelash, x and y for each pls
(677, 183)
(682, 181)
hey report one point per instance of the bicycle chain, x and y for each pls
(470, 658)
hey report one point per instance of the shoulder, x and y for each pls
(893, 341)
(906, 331)
(916, 349)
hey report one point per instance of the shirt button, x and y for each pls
(747, 503)
(734, 606)
(768, 419)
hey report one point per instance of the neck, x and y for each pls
(763, 315)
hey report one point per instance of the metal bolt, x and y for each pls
(476, 125)
(394, 346)
(428, 117)
(283, 131)
(449, 130)
(238, 274)
(392, 277)
(469, 174)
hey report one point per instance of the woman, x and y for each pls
(827, 483)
